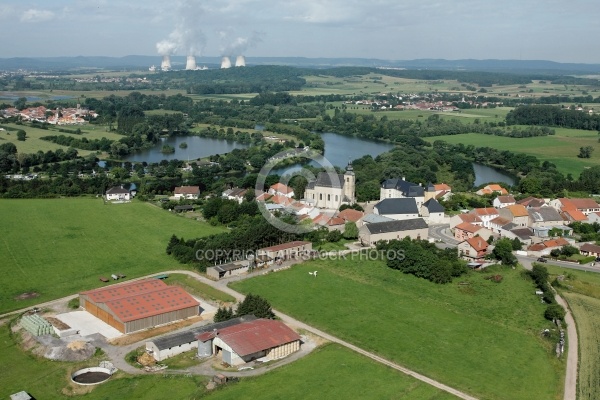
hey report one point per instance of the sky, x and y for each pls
(564, 31)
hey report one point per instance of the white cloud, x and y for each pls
(35, 15)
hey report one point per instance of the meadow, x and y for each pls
(33, 143)
(200, 289)
(586, 311)
(474, 334)
(581, 289)
(60, 247)
(331, 372)
(560, 149)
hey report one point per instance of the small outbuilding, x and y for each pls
(226, 270)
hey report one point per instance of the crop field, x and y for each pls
(331, 372)
(33, 143)
(476, 335)
(561, 149)
(59, 247)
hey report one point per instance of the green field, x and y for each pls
(199, 289)
(561, 149)
(586, 311)
(478, 336)
(33, 143)
(331, 372)
(581, 289)
(60, 247)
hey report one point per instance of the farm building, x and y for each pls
(415, 228)
(226, 270)
(180, 342)
(286, 250)
(139, 305)
(263, 339)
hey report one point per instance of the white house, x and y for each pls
(281, 189)
(186, 192)
(118, 193)
(433, 212)
(504, 201)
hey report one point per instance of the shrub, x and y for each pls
(74, 303)
(554, 311)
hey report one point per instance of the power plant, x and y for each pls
(190, 64)
(187, 37)
(240, 61)
(225, 62)
(165, 65)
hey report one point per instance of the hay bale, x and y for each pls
(146, 360)
(76, 345)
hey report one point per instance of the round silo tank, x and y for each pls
(205, 348)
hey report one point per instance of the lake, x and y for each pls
(485, 174)
(197, 147)
(339, 149)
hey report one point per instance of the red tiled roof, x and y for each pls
(518, 210)
(574, 214)
(350, 214)
(321, 219)
(485, 211)
(478, 243)
(506, 199)
(187, 190)
(441, 194)
(500, 221)
(142, 299)
(263, 197)
(280, 199)
(531, 202)
(255, 336)
(584, 204)
(284, 246)
(591, 248)
(442, 186)
(281, 188)
(470, 218)
(336, 221)
(467, 227)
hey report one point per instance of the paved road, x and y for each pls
(442, 232)
(526, 261)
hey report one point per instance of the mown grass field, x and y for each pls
(561, 149)
(200, 289)
(478, 336)
(60, 247)
(582, 291)
(33, 143)
(331, 372)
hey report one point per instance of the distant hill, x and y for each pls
(135, 62)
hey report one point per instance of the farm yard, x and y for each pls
(54, 248)
(479, 336)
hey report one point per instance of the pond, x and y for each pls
(485, 174)
(197, 147)
(339, 149)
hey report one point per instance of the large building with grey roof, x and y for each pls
(415, 228)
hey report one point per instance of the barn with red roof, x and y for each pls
(263, 339)
(134, 306)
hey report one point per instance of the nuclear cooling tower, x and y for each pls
(225, 62)
(191, 63)
(165, 65)
(240, 61)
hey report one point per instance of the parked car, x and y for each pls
(542, 260)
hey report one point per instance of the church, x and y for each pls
(331, 190)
